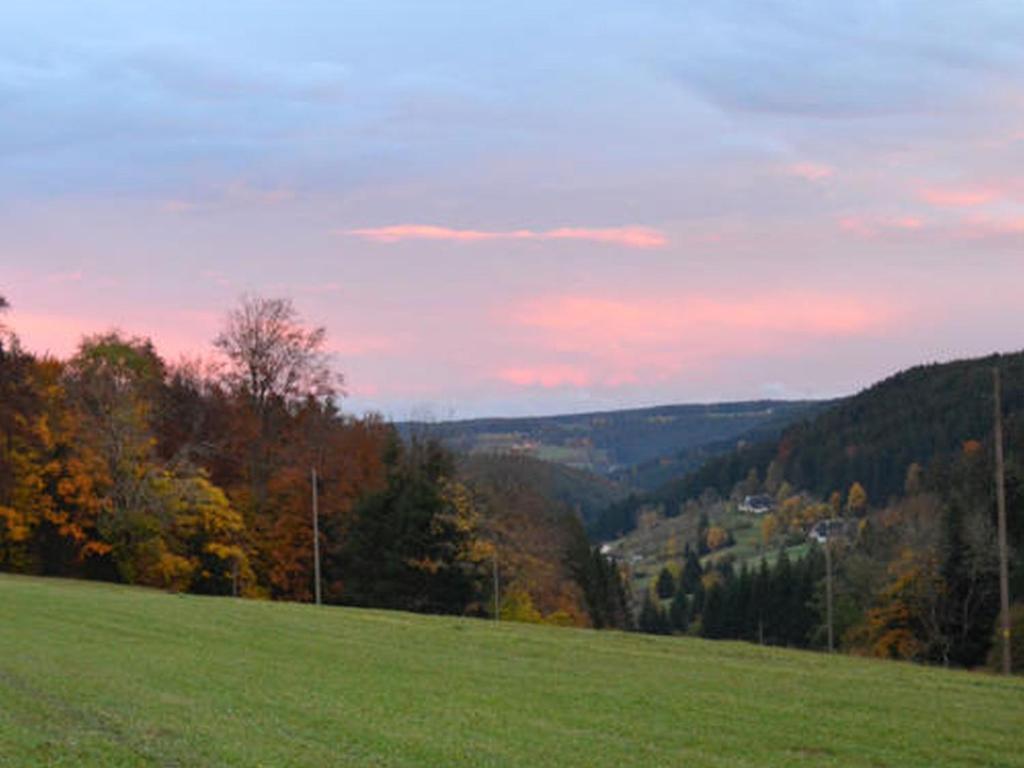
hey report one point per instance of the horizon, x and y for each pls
(539, 211)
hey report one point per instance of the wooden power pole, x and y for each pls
(1004, 580)
(497, 592)
(316, 541)
(828, 590)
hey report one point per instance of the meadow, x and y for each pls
(96, 674)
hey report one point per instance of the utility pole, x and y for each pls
(828, 589)
(497, 594)
(1004, 580)
(316, 540)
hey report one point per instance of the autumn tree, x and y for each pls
(113, 383)
(274, 364)
(856, 500)
(272, 356)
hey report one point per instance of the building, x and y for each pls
(825, 530)
(757, 505)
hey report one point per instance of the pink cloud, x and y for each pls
(988, 228)
(811, 171)
(648, 321)
(546, 376)
(629, 237)
(864, 226)
(958, 197)
(615, 342)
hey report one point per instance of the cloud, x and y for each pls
(811, 171)
(546, 376)
(646, 321)
(820, 61)
(629, 237)
(976, 230)
(611, 342)
(994, 231)
(879, 226)
(958, 197)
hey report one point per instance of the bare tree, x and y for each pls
(272, 355)
(4, 306)
(273, 361)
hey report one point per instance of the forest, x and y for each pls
(196, 476)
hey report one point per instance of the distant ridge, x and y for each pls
(616, 441)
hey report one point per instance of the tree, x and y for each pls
(666, 585)
(653, 619)
(716, 538)
(3, 328)
(679, 612)
(274, 364)
(211, 536)
(410, 545)
(273, 356)
(690, 578)
(856, 500)
(605, 591)
(113, 383)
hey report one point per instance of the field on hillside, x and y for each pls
(115, 676)
(658, 542)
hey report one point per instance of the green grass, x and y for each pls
(104, 675)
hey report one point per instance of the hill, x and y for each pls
(103, 675)
(654, 473)
(922, 415)
(613, 441)
(563, 487)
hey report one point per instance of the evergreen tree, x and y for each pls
(403, 548)
(666, 585)
(691, 571)
(653, 619)
(679, 612)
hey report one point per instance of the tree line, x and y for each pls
(196, 476)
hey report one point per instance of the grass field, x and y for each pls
(104, 675)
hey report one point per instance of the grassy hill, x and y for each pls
(613, 441)
(105, 675)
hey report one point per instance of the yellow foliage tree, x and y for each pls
(517, 605)
(856, 500)
(717, 537)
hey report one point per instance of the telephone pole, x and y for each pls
(828, 589)
(497, 593)
(1004, 580)
(316, 540)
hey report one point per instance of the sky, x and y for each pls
(524, 208)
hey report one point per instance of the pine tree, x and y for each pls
(666, 585)
(652, 617)
(679, 612)
(691, 571)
